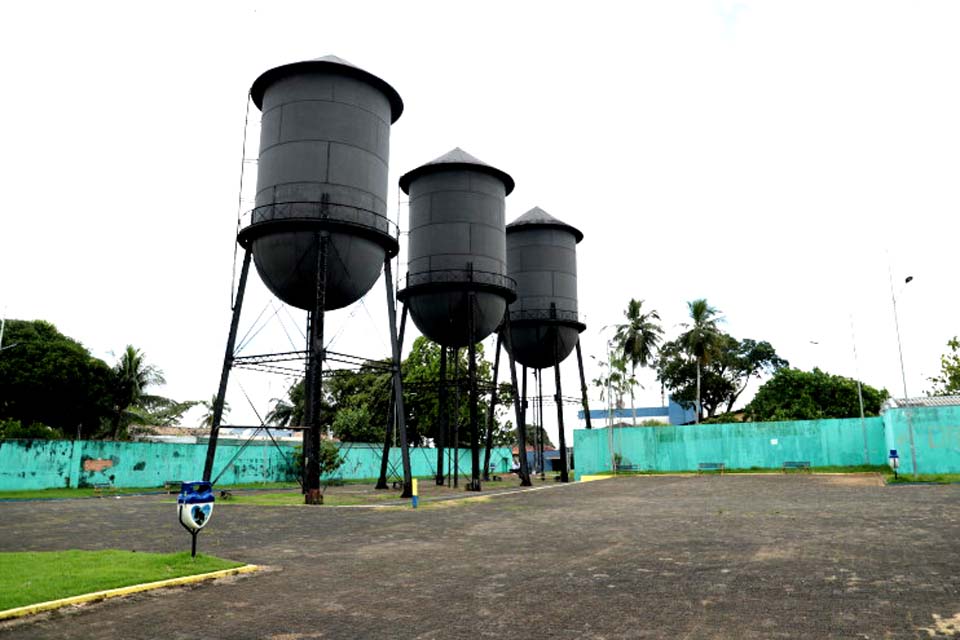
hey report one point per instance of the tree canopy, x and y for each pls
(636, 342)
(725, 376)
(47, 378)
(948, 382)
(356, 403)
(51, 379)
(792, 394)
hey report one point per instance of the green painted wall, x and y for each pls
(936, 438)
(44, 464)
(738, 445)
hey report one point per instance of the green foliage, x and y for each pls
(792, 394)
(354, 424)
(615, 381)
(13, 430)
(49, 378)
(723, 378)
(330, 459)
(531, 433)
(164, 412)
(131, 402)
(363, 397)
(289, 411)
(638, 338)
(948, 382)
(636, 343)
(206, 420)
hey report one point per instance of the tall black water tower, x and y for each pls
(319, 234)
(324, 152)
(545, 326)
(457, 288)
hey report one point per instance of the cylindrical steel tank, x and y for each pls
(457, 248)
(542, 259)
(324, 150)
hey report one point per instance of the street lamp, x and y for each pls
(903, 374)
(896, 323)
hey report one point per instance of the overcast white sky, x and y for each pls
(776, 158)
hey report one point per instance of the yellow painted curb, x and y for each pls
(31, 609)
(593, 478)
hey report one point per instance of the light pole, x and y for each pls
(896, 323)
(903, 374)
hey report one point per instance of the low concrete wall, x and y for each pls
(741, 445)
(936, 438)
(45, 464)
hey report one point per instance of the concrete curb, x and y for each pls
(50, 605)
(594, 478)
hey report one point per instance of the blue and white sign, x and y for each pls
(195, 504)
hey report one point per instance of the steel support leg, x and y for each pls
(442, 409)
(564, 473)
(583, 386)
(521, 420)
(538, 437)
(493, 409)
(398, 382)
(225, 372)
(474, 398)
(314, 390)
(391, 418)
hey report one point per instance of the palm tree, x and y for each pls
(637, 340)
(701, 338)
(131, 377)
(207, 419)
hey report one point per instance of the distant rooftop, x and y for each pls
(925, 401)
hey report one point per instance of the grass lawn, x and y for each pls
(52, 494)
(32, 577)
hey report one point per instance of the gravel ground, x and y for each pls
(766, 556)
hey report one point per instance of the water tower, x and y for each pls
(457, 289)
(319, 234)
(545, 325)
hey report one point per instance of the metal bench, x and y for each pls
(172, 486)
(800, 465)
(710, 466)
(100, 487)
(628, 467)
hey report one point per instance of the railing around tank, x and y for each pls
(540, 315)
(339, 213)
(466, 276)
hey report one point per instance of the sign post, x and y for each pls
(194, 507)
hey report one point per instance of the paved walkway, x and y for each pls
(644, 557)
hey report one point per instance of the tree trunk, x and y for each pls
(699, 403)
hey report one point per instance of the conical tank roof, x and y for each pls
(537, 217)
(455, 159)
(326, 63)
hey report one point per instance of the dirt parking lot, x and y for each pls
(766, 556)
